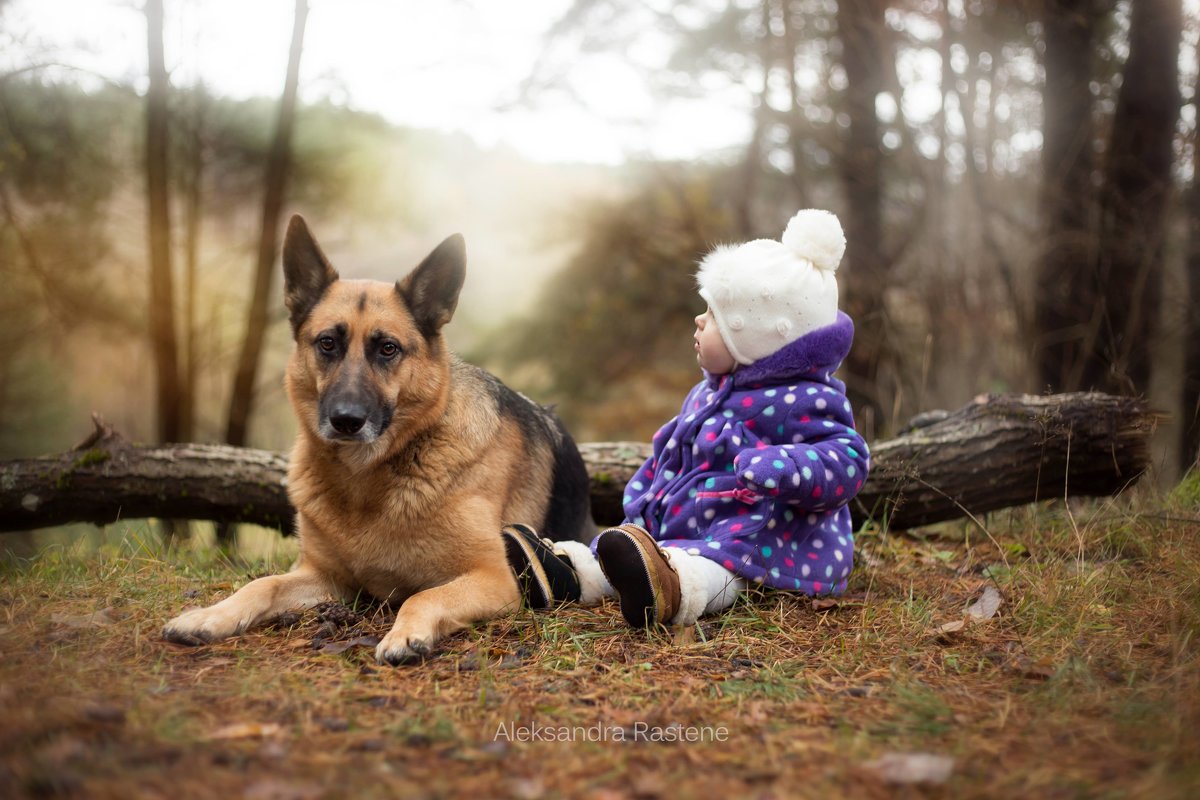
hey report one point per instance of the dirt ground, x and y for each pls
(1042, 653)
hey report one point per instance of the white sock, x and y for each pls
(705, 586)
(592, 583)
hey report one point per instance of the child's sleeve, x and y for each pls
(825, 470)
(637, 490)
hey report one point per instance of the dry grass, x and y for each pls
(1086, 684)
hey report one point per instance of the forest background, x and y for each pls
(1016, 181)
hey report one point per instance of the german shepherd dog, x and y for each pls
(407, 463)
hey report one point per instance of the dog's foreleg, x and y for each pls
(257, 601)
(429, 615)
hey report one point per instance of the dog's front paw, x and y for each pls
(399, 648)
(202, 626)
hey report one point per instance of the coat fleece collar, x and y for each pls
(822, 351)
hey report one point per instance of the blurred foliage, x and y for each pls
(614, 326)
(336, 153)
(58, 170)
(57, 175)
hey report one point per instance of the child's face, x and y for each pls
(711, 352)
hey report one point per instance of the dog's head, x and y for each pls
(369, 357)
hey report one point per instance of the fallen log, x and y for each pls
(106, 478)
(1002, 451)
(999, 451)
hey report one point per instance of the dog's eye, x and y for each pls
(327, 344)
(389, 349)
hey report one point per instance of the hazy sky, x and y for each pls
(444, 64)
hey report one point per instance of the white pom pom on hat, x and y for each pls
(765, 294)
(816, 235)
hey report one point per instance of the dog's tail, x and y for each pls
(569, 516)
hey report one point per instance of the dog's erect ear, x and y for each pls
(306, 272)
(431, 290)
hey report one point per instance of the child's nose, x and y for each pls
(700, 322)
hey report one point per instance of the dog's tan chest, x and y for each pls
(389, 561)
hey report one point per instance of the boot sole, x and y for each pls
(545, 578)
(624, 564)
(531, 577)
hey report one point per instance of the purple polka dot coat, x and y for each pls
(756, 471)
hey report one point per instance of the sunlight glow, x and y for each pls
(451, 66)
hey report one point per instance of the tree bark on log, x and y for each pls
(106, 478)
(1002, 451)
(999, 451)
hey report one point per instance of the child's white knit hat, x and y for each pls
(766, 294)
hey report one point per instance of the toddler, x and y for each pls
(748, 485)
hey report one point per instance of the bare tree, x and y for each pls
(1065, 296)
(861, 28)
(1190, 407)
(789, 18)
(162, 317)
(278, 168)
(1134, 200)
(193, 182)
(752, 166)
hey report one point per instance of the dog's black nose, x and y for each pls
(347, 421)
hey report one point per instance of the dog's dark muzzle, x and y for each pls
(352, 417)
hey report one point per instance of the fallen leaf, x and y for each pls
(1028, 668)
(341, 647)
(911, 768)
(247, 730)
(527, 788)
(953, 626)
(987, 605)
(825, 603)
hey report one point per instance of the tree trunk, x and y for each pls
(278, 167)
(861, 30)
(1066, 295)
(1134, 202)
(1189, 415)
(751, 167)
(997, 452)
(797, 125)
(162, 316)
(193, 214)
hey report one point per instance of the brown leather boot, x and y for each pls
(641, 574)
